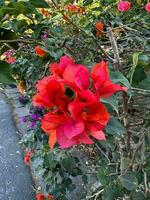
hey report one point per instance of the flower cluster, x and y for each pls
(39, 51)
(99, 28)
(23, 99)
(124, 6)
(9, 56)
(147, 7)
(27, 157)
(44, 12)
(71, 94)
(40, 196)
(34, 116)
(75, 9)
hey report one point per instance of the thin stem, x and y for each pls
(102, 152)
(17, 40)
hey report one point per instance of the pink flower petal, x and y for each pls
(84, 138)
(73, 128)
(63, 141)
(82, 79)
(109, 88)
(99, 135)
(100, 72)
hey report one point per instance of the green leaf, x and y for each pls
(108, 193)
(71, 187)
(6, 34)
(103, 177)
(125, 162)
(129, 181)
(5, 76)
(138, 195)
(112, 101)
(114, 127)
(5, 10)
(87, 2)
(85, 179)
(2, 2)
(19, 25)
(145, 84)
(138, 75)
(22, 7)
(135, 58)
(118, 77)
(39, 3)
(68, 163)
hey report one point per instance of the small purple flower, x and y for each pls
(21, 99)
(32, 124)
(24, 119)
(35, 117)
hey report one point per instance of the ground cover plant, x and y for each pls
(82, 69)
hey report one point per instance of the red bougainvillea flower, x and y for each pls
(86, 119)
(40, 196)
(99, 29)
(11, 60)
(56, 125)
(49, 124)
(27, 157)
(50, 94)
(102, 85)
(94, 116)
(124, 6)
(44, 12)
(147, 7)
(58, 68)
(77, 75)
(40, 52)
(9, 56)
(71, 94)
(99, 26)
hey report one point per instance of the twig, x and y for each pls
(102, 152)
(114, 47)
(138, 146)
(17, 40)
(46, 68)
(95, 195)
(140, 89)
(125, 120)
(145, 182)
